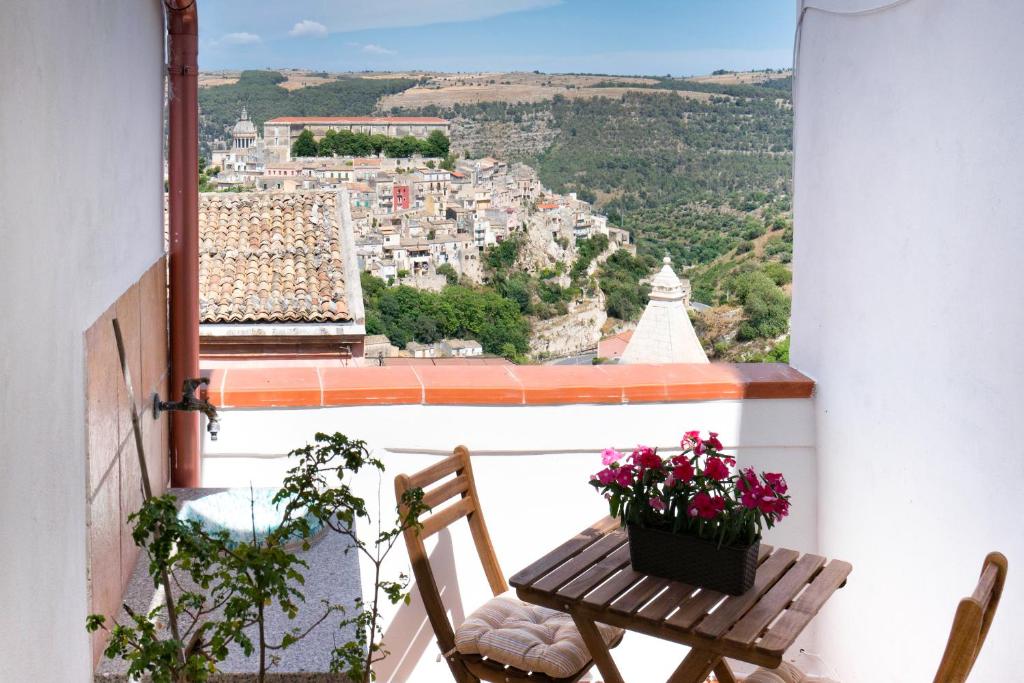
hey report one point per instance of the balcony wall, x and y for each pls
(535, 433)
(81, 219)
(907, 312)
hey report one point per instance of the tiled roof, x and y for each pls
(359, 119)
(270, 257)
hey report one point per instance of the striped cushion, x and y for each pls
(785, 673)
(526, 636)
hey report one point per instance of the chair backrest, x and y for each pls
(972, 621)
(439, 487)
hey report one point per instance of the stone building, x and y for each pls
(280, 133)
(245, 160)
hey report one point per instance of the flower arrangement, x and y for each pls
(700, 492)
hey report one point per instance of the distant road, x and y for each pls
(582, 359)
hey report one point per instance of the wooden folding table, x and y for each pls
(590, 578)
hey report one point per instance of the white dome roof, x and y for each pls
(244, 127)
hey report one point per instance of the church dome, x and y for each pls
(244, 127)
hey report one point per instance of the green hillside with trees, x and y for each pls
(260, 93)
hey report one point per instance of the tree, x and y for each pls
(305, 145)
(321, 483)
(450, 276)
(765, 306)
(436, 145)
(224, 588)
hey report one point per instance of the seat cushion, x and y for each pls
(785, 673)
(528, 637)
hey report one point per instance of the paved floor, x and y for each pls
(332, 575)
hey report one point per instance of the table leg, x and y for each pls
(723, 672)
(696, 668)
(598, 650)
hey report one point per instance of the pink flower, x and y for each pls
(715, 469)
(610, 455)
(645, 458)
(713, 441)
(657, 504)
(692, 440)
(605, 476)
(706, 506)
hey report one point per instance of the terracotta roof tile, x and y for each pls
(270, 257)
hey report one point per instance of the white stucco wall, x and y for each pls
(80, 219)
(532, 466)
(908, 314)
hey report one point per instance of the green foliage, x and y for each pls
(501, 257)
(780, 274)
(265, 99)
(347, 143)
(586, 251)
(765, 306)
(224, 588)
(406, 314)
(436, 145)
(779, 353)
(321, 482)
(450, 276)
(305, 145)
(619, 278)
(657, 149)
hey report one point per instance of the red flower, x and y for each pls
(683, 470)
(645, 458)
(776, 481)
(624, 475)
(715, 469)
(605, 476)
(713, 441)
(705, 506)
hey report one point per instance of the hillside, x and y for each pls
(267, 94)
(699, 168)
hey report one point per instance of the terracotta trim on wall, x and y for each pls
(266, 387)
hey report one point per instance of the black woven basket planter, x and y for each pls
(695, 561)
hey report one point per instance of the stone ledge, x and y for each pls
(312, 386)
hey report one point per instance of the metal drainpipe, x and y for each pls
(183, 223)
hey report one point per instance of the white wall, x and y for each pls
(80, 220)
(532, 465)
(908, 314)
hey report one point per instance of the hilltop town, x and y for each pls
(558, 194)
(422, 217)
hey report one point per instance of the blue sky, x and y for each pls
(680, 37)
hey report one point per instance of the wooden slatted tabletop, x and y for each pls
(589, 576)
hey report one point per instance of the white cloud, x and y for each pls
(307, 28)
(238, 39)
(337, 16)
(377, 49)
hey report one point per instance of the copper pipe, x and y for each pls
(183, 227)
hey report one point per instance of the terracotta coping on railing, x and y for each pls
(531, 385)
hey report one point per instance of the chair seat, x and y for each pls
(785, 673)
(527, 637)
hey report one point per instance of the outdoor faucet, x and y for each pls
(189, 401)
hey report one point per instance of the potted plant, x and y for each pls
(692, 517)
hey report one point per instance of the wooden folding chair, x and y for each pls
(970, 626)
(466, 668)
(972, 621)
